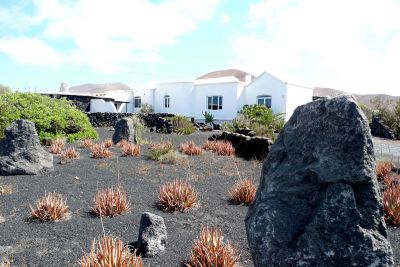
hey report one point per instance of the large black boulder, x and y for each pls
(381, 129)
(124, 130)
(21, 152)
(318, 202)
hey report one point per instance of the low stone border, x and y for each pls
(106, 119)
(246, 147)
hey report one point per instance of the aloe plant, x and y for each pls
(208, 117)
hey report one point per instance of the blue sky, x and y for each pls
(348, 45)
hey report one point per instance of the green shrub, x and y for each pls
(241, 121)
(173, 157)
(258, 118)
(389, 112)
(263, 115)
(208, 117)
(182, 125)
(54, 118)
(157, 150)
(367, 111)
(147, 108)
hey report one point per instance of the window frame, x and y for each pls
(264, 99)
(167, 101)
(214, 102)
(139, 101)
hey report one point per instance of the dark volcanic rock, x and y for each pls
(380, 129)
(152, 235)
(124, 130)
(318, 202)
(21, 152)
(107, 119)
(246, 147)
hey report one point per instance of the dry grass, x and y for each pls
(391, 204)
(160, 146)
(5, 189)
(383, 169)
(391, 180)
(130, 150)
(110, 202)
(177, 196)
(103, 164)
(87, 143)
(57, 146)
(109, 252)
(242, 192)
(211, 250)
(122, 143)
(190, 148)
(172, 157)
(108, 143)
(70, 153)
(156, 150)
(52, 207)
(143, 168)
(222, 148)
(99, 151)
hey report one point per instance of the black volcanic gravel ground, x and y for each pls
(63, 243)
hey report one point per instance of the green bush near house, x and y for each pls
(147, 108)
(208, 117)
(389, 112)
(53, 118)
(258, 118)
(182, 125)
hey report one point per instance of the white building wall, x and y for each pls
(123, 108)
(241, 97)
(181, 97)
(146, 96)
(120, 96)
(297, 95)
(228, 91)
(99, 105)
(267, 84)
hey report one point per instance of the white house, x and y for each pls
(224, 93)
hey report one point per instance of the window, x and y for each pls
(264, 100)
(214, 102)
(166, 101)
(138, 102)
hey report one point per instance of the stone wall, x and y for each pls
(105, 119)
(246, 147)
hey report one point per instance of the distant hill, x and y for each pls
(238, 74)
(364, 99)
(98, 88)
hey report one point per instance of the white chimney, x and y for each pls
(248, 79)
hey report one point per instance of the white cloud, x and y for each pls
(225, 18)
(30, 51)
(350, 45)
(107, 34)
